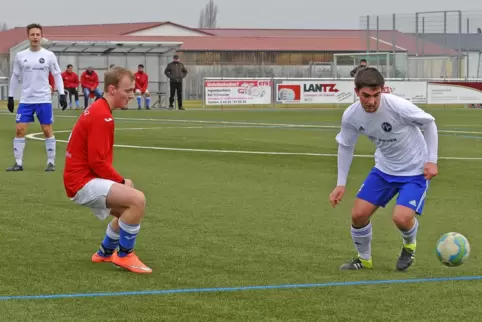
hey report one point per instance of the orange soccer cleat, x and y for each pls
(96, 258)
(131, 262)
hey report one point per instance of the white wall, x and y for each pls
(473, 64)
(167, 30)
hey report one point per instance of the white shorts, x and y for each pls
(138, 92)
(94, 196)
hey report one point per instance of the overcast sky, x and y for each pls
(233, 13)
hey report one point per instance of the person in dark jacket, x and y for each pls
(176, 72)
(363, 64)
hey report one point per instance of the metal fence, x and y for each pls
(3, 88)
(447, 43)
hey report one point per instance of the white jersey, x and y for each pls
(395, 130)
(33, 68)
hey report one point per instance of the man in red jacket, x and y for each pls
(142, 81)
(52, 83)
(71, 83)
(90, 179)
(89, 80)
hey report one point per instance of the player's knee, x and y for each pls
(20, 132)
(403, 217)
(137, 92)
(361, 212)
(139, 202)
(360, 217)
(147, 94)
(47, 130)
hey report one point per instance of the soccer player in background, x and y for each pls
(89, 80)
(32, 66)
(90, 179)
(142, 81)
(405, 161)
(71, 83)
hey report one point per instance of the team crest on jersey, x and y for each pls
(387, 127)
(41, 60)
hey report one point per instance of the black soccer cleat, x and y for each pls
(356, 264)
(406, 258)
(50, 167)
(15, 168)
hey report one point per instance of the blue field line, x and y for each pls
(239, 288)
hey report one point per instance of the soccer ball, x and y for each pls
(453, 249)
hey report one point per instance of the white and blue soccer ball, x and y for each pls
(453, 249)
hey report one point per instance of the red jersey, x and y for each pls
(71, 80)
(90, 149)
(52, 81)
(89, 80)
(142, 80)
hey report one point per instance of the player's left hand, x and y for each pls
(63, 101)
(430, 170)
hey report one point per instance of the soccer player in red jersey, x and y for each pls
(90, 179)
(142, 81)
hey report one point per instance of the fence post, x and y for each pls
(203, 94)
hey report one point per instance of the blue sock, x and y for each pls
(77, 103)
(148, 101)
(128, 235)
(110, 242)
(139, 101)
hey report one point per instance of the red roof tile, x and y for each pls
(247, 32)
(406, 41)
(194, 43)
(242, 39)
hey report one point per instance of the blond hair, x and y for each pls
(114, 75)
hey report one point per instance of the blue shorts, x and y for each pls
(44, 112)
(379, 189)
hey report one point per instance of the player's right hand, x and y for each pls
(337, 195)
(10, 104)
(129, 183)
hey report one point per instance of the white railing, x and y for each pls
(272, 91)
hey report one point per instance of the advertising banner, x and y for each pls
(312, 92)
(454, 92)
(238, 92)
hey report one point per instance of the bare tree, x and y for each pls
(3, 26)
(208, 15)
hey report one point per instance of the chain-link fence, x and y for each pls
(438, 43)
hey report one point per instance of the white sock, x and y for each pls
(410, 237)
(18, 147)
(362, 238)
(50, 145)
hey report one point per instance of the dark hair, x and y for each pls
(33, 26)
(369, 77)
(140, 65)
(363, 60)
(70, 65)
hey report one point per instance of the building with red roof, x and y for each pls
(226, 52)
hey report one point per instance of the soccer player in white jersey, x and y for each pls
(405, 161)
(32, 67)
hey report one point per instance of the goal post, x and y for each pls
(400, 65)
(343, 63)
